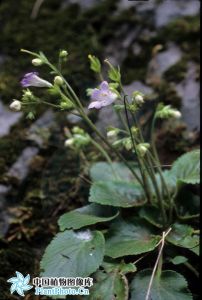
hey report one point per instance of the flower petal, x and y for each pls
(104, 86)
(95, 94)
(95, 104)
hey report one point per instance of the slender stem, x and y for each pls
(153, 141)
(158, 194)
(161, 176)
(191, 268)
(50, 104)
(89, 122)
(147, 191)
(151, 172)
(172, 205)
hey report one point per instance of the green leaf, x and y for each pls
(187, 205)
(171, 285)
(114, 74)
(103, 171)
(121, 267)
(117, 193)
(87, 215)
(73, 254)
(177, 260)
(95, 64)
(109, 286)
(187, 168)
(130, 238)
(183, 236)
(152, 215)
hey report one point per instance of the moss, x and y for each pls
(177, 72)
(183, 29)
(10, 148)
(185, 32)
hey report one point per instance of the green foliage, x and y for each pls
(114, 74)
(130, 238)
(102, 171)
(170, 285)
(177, 260)
(95, 64)
(109, 286)
(151, 214)
(186, 169)
(73, 254)
(188, 205)
(117, 193)
(112, 282)
(87, 215)
(183, 236)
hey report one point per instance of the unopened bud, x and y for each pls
(28, 93)
(16, 105)
(37, 62)
(63, 53)
(69, 142)
(58, 80)
(176, 114)
(137, 98)
(142, 149)
(111, 133)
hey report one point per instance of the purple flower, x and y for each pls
(102, 97)
(32, 79)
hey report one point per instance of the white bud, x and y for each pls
(142, 148)
(69, 142)
(139, 99)
(111, 133)
(58, 80)
(63, 53)
(16, 105)
(176, 114)
(37, 62)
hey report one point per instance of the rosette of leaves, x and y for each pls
(118, 227)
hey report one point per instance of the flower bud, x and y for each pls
(37, 62)
(58, 80)
(69, 142)
(113, 73)
(28, 93)
(16, 105)
(78, 130)
(142, 149)
(165, 112)
(176, 114)
(111, 133)
(63, 53)
(137, 98)
(95, 64)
